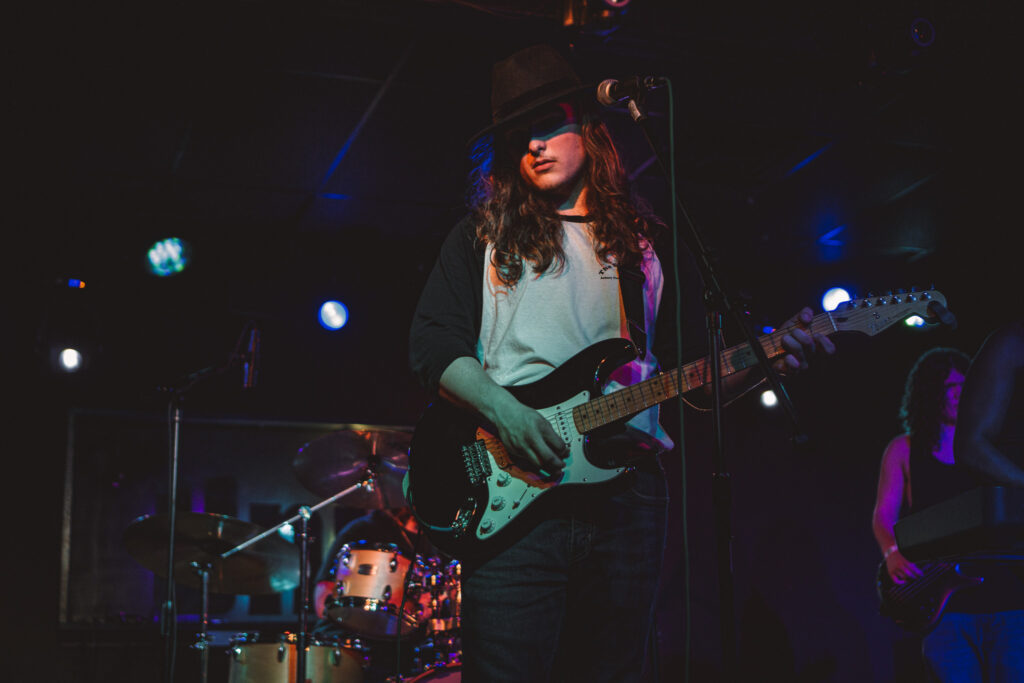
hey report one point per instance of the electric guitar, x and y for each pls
(917, 605)
(464, 487)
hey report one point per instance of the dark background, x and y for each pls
(316, 150)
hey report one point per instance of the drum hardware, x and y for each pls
(168, 610)
(220, 554)
(302, 517)
(199, 542)
(202, 638)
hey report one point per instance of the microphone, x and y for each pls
(251, 359)
(610, 91)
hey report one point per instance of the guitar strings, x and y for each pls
(917, 585)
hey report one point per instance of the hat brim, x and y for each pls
(521, 113)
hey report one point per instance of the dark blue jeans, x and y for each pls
(573, 599)
(976, 648)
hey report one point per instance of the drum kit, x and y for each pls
(380, 593)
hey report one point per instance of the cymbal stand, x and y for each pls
(202, 641)
(302, 517)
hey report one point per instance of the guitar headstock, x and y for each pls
(873, 314)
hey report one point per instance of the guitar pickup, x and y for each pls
(477, 463)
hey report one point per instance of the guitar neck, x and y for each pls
(638, 397)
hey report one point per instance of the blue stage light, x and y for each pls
(333, 315)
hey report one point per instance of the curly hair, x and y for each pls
(924, 394)
(523, 224)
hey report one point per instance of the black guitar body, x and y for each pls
(451, 472)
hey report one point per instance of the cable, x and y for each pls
(680, 402)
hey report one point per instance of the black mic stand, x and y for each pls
(718, 302)
(169, 609)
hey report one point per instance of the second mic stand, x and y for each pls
(717, 303)
(169, 608)
(302, 517)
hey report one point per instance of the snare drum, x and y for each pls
(370, 580)
(328, 660)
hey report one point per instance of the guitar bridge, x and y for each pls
(476, 462)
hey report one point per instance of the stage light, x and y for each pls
(922, 32)
(69, 360)
(594, 16)
(333, 315)
(833, 298)
(914, 321)
(168, 257)
(769, 399)
(767, 329)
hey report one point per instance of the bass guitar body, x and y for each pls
(918, 604)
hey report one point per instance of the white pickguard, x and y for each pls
(510, 489)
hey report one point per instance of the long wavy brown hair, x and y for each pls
(924, 394)
(523, 224)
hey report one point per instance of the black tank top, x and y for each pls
(931, 482)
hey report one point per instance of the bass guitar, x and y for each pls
(917, 605)
(465, 489)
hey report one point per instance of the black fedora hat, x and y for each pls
(527, 80)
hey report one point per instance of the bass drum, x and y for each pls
(260, 660)
(449, 673)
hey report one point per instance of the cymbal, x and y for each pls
(271, 565)
(339, 460)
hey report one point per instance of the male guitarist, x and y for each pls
(554, 257)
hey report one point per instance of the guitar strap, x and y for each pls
(631, 284)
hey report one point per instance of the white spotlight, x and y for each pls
(833, 298)
(768, 398)
(70, 360)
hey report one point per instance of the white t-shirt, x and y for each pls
(529, 329)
